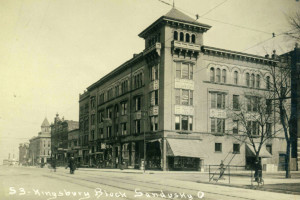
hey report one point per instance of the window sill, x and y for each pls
(218, 134)
(218, 151)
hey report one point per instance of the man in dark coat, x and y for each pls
(258, 171)
(54, 164)
(72, 165)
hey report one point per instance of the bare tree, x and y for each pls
(254, 118)
(281, 75)
(294, 22)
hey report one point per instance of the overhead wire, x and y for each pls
(273, 36)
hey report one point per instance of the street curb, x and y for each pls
(253, 188)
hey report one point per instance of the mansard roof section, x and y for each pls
(116, 71)
(72, 125)
(236, 55)
(177, 16)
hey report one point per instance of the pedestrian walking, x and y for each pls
(72, 165)
(53, 163)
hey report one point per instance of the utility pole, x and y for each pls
(144, 140)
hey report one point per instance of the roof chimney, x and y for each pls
(274, 56)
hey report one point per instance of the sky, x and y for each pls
(52, 50)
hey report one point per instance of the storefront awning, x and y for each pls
(185, 148)
(263, 153)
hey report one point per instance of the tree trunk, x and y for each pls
(287, 160)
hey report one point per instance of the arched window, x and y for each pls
(236, 77)
(224, 75)
(212, 74)
(252, 80)
(181, 36)
(218, 76)
(258, 81)
(187, 37)
(193, 39)
(268, 84)
(175, 35)
(248, 79)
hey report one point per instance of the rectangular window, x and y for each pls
(154, 98)
(235, 99)
(217, 125)
(137, 126)
(100, 133)
(124, 129)
(124, 86)
(117, 90)
(138, 80)
(235, 127)
(269, 148)
(101, 98)
(213, 125)
(109, 133)
(138, 103)
(191, 72)
(116, 111)
(268, 106)
(183, 97)
(218, 147)
(191, 123)
(184, 70)
(218, 100)
(177, 96)
(221, 125)
(124, 108)
(177, 122)
(109, 113)
(154, 123)
(93, 119)
(191, 97)
(92, 135)
(269, 129)
(252, 103)
(116, 129)
(100, 116)
(249, 106)
(93, 102)
(252, 128)
(184, 123)
(236, 148)
(213, 100)
(178, 70)
(154, 73)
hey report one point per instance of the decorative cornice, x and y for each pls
(237, 55)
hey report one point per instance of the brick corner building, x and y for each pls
(166, 105)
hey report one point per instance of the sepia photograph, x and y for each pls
(150, 99)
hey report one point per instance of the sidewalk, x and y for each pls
(273, 182)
